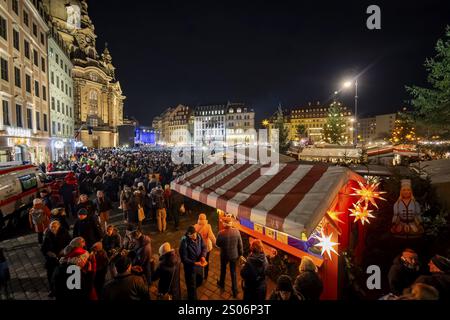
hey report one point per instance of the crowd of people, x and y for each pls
(72, 222)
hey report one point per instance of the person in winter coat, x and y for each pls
(112, 241)
(59, 214)
(101, 267)
(161, 213)
(193, 256)
(5, 276)
(85, 203)
(168, 272)
(126, 196)
(253, 273)
(404, 271)
(177, 201)
(103, 208)
(308, 283)
(285, 290)
(67, 192)
(46, 199)
(126, 286)
(231, 248)
(143, 253)
(56, 239)
(75, 254)
(440, 276)
(88, 228)
(204, 229)
(98, 183)
(39, 218)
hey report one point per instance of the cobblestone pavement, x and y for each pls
(29, 279)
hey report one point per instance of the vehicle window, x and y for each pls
(28, 181)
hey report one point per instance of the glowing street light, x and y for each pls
(346, 85)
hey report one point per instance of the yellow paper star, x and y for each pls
(361, 213)
(326, 244)
(368, 193)
(335, 215)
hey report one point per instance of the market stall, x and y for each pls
(303, 210)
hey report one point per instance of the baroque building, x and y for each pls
(98, 98)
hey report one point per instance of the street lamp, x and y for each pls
(347, 84)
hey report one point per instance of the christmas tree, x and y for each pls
(281, 124)
(404, 130)
(334, 129)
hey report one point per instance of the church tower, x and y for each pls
(98, 98)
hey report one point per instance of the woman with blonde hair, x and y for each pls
(308, 283)
(204, 229)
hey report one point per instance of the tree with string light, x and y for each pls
(404, 131)
(335, 127)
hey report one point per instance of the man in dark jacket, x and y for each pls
(88, 228)
(67, 192)
(440, 276)
(126, 285)
(230, 243)
(404, 271)
(254, 273)
(193, 256)
(55, 240)
(168, 272)
(87, 204)
(143, 251)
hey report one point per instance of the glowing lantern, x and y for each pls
(361, 213)
(326, 244)
(368, 193)
(334, 215)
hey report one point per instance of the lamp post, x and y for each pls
(346, 85)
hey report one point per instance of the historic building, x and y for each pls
(98, 98)
(61, 97)
(209, 124)
(24, 117)
(179, 126)
(376, 128)
(240, 124)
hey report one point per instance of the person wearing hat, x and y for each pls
(168, 273)
(205, 230)
(88, 228)
(39, 218)
(231, 248)
(404, 271)
(193, 256)
(407, 219)
(285, 290)
(440, 276)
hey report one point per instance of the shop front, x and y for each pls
(61, 148)
(19, 145)
(302, 210)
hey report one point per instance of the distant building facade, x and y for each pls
(376, 128)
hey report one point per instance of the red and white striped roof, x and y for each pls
(292, 200)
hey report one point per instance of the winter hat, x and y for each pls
(202, 219)
(190, 230)
(165, 248)
(55, 211)
(284, 283)
(140, 184)
(37, 201)
(442, 263)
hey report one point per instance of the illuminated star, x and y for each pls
(326, 244)
(368, 193)
(335, 215)
(361, 213)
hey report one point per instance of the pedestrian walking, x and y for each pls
(204, 229)
(39, 218)
(168, 273)
(253, 273)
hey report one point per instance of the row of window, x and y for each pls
(60, 84)
(4, 74)
(60, 107)
(61, 128)
(20, 117)
(246, 117)
(246, 124)
(60, 62)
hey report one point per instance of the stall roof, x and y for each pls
(293, 200)
(330, 153)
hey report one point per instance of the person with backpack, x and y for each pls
(168, 273)
(253, 273)
(161, 214)
(39, 218)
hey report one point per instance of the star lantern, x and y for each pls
(334, 215)
(368, 193)
(326, 244)
(361, 213)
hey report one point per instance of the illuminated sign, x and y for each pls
(58, 144)
(18, 132)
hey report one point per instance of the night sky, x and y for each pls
(265, 52)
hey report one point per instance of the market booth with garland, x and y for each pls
(317, 210)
